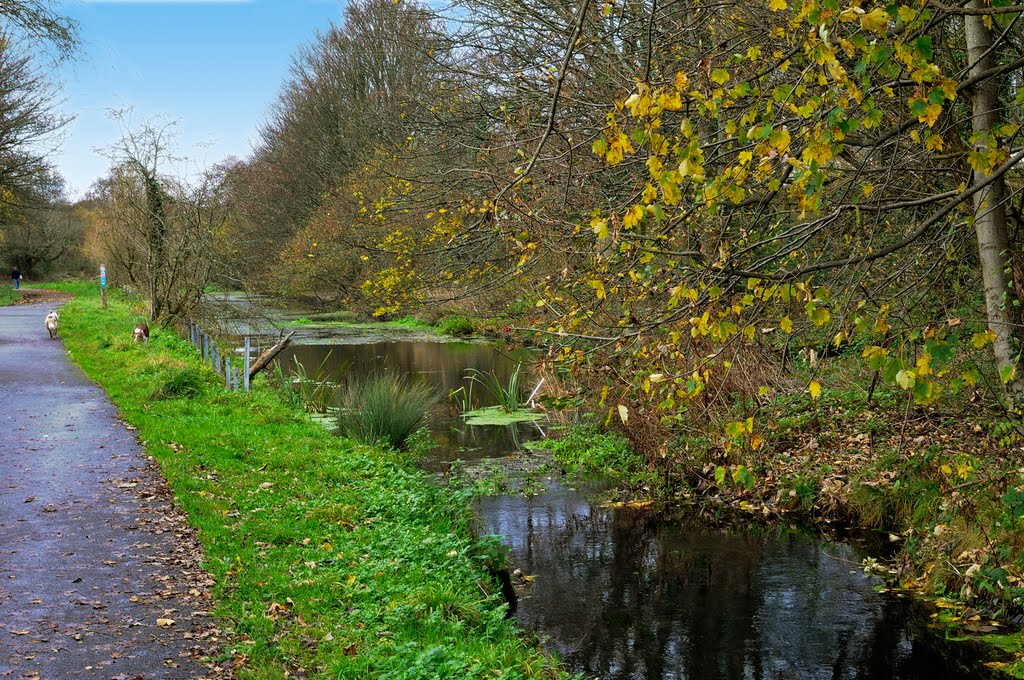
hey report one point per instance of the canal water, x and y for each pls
(631, 593)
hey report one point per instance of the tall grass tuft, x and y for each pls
(180, 382)
(312, 393)
(510, 396)
(383, 408)
(316, 391)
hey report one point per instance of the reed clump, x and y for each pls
(383, 408)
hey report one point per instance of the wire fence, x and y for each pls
(220, 361)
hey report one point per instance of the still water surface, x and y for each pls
(627, 593)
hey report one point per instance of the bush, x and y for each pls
(383, 408)
(182, 382)
(456, 324)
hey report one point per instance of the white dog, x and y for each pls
(51, 323)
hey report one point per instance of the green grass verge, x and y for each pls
(8, 296)
(340, 559)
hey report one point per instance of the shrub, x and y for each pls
(383, 408)
(456, 324)
(181, 382)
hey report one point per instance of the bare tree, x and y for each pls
(161, 229)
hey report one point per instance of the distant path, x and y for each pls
(92, 552)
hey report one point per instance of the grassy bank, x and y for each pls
(332, 559)
(8, 296)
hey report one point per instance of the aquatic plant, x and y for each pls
(315, 392)
(509, 395)
(311, 393)
(383, 407)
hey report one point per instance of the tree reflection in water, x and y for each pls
(625, 594)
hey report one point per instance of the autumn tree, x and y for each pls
(353, 91)
(771, 172)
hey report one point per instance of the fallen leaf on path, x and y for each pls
(165, 623)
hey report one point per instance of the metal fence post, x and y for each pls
(245, 371)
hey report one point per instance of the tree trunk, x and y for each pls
(157, 238)
(269, 355)
(990, 210)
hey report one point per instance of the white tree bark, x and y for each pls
(990, 209)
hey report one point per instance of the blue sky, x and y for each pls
(213, 66)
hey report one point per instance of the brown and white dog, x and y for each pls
(141, 333)
(51, 323)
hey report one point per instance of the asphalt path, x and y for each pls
(99, 572)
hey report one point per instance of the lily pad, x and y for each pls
(495, 415)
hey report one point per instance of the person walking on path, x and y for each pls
(16, 277)
(99, 572)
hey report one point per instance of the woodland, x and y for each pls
(777, 245)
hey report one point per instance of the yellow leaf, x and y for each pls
(945, 469)
(779, 139)
(600, 227)
(649, 194)
(165, 623)
(851, 14)
(906, 379)
(623, 414)
(777, 5)
(979, 340)
(933, 143)
(868, 190)
(786, 324)
(815, 389)
(633, 216)
(907, 13)
(876, 21)
(931, 114)
(719, 76)
(598, 287)
(670, 102)
(691, 168)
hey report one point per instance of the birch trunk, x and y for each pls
(990, 209)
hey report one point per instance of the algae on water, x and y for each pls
(496, 415)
